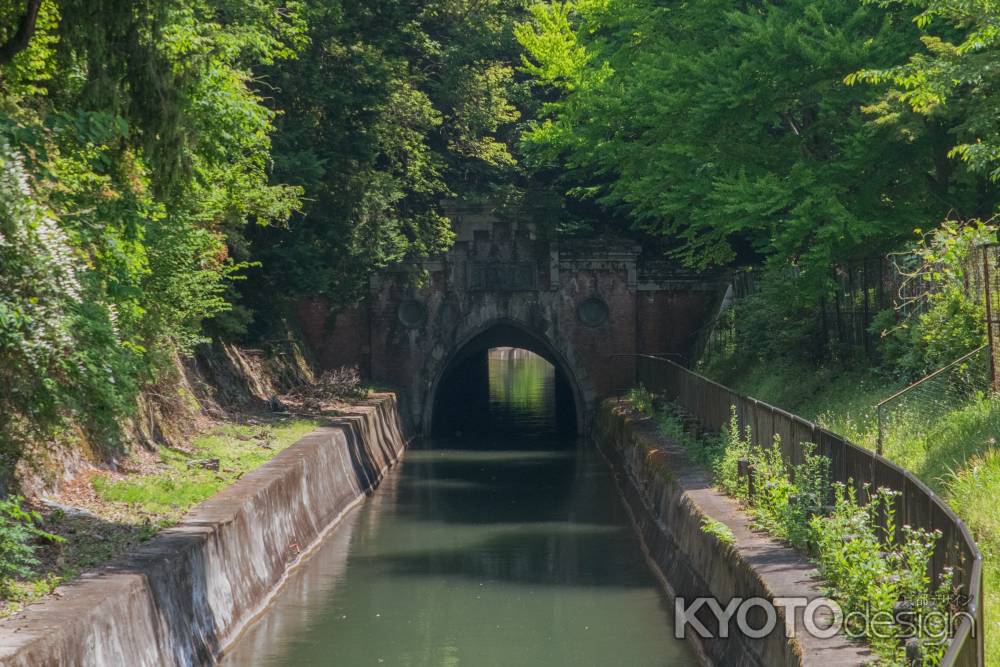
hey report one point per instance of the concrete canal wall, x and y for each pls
(183, 596)
(670, 498)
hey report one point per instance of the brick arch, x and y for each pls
(502, 271)
(507, 332)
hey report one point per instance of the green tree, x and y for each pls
(391, 109)
(728, 129)
(135, 141)
(952, 78)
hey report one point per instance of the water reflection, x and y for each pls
(479, 551)
(522, 393)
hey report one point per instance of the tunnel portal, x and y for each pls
(501, 370)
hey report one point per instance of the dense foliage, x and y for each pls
(729, 127)
(947, 321)
(801, 136)
(392, 109)
(132, 137)
(153, 153)
(952, 80)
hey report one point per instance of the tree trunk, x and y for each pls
(25, 29)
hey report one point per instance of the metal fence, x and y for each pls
(858, 291)
(917, 506)
(915, 407)
(988, 275)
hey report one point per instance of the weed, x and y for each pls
(735, 448)
(641, 400)
(19, 531)
(954, 451)
(868, 563)
(872, 567)
(719, 530)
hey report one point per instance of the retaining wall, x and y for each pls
(670, 498)
(183, 596)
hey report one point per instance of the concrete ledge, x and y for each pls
(183, 596)
(669, 497)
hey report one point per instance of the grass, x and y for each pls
(189, 477)
(954, 450)
(124, 510)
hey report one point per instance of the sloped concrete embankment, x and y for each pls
(670, 498)
(182, 597)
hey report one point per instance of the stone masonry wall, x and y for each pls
(418, 317)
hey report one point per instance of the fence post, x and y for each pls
(990, 322)
(879, 445)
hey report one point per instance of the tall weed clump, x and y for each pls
(878, 571)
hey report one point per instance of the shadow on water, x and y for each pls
(517, 486)
(550, 556)
(502, 543)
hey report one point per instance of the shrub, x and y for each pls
(951, 327)
(18, 532)
(779, 321)
(641, 400)
(945, 321)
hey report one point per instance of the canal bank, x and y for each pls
(702, 545)
(183, 596)
(503, 545)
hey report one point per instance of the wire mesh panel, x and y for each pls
(909, 413)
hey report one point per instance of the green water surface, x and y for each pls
(482, 551)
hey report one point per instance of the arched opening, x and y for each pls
(504, 380)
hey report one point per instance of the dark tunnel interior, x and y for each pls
(503, 383)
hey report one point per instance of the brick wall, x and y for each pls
(337, 341)
(540, 312)
(669, 321)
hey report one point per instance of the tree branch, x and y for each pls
(25, 29)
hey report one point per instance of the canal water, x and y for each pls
(510, 549)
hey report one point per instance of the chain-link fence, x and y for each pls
(914, 409)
